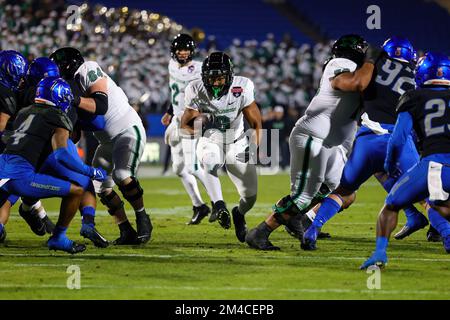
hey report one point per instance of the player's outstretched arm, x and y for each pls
(63, 156)
(254, 119)
(356, 81)
(97, 102)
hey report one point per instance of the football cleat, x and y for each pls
(309, 239)
(433, 235)
(65, 244)
(258, 240)
(49, 225)
(214, 214)
(144, 227)
(88, 231)
(199, 213)
(412, 226)
(378, 258)
(223, 215)
(127, 237)
(297, 225)
(240, 227)
(32, 219)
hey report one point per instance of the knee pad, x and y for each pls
(112, 201)
(178, 168)
(285, 206)
(132, 191)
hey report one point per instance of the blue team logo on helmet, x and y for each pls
(433, 69)
(41, 68)
(54, 92)
(13, 67)
(399, 48)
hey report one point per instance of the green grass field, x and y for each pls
(207, 262)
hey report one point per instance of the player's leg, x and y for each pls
(415, 220)
(180, 166)
(109, 197)
(88, 201)
(245, 178)
(5, 211)
(308, 163)
(40, 186)
(410, 188)
(126, 155)
(211, 158)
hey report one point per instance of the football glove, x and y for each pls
(98, 174)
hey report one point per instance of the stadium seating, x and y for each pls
(335, 20)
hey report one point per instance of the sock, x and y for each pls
(381, 244)
(190, 184)
(311, 215)
(2, 226)
(59, 231)
(140, 211)
(327, 210)
(88, 214)
(212, 186)
(411, 212)
(439, 223)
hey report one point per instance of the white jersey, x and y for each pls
(229, 107)
(179, 79)
(120, 115)
(332, 114)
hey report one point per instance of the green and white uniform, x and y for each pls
(123, 139)
(322, 138)
(221, 147)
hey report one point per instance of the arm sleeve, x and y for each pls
(64, 157)
(398, 138)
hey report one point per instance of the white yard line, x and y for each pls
(215, 288)
(225, 256)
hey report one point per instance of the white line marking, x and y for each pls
(191, 288)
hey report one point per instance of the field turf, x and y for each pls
(207, 262)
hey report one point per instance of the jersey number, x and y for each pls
(440, 111)
(175, 93)
(21, 130)
(94, 75)
(390, 77)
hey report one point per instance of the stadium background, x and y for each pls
(280, 44)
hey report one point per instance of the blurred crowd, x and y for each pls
(133, 48)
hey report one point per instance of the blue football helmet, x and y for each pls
(13, 67)
(399, 48)
(54, 92)
(41, 68)
(433, 69)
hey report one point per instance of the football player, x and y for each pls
(426, 110)
(13, 67)
(219, 102)
(182, 70)
(319, 137)
(121, 143)
(38, 69)
(393, 76)
(39, 130)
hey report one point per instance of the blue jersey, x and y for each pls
(390, 80)
(430, 114)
